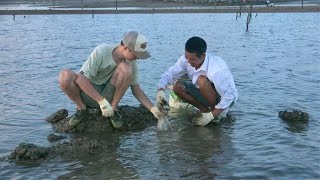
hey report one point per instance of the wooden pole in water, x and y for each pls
(116, 4)
(249, 16)
(81, 4)
(302, 4)
(240, 10)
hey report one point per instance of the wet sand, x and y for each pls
(141, 7)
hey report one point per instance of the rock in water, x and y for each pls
(57, 116)
(294, 115)
(27, 151)
(136, 118)
(53, 137)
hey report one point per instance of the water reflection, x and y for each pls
(104, 164)
(296, 126)
(193, 152)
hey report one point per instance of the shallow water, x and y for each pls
(275, 65)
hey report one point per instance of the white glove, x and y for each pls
(162, 104)
(161, 96)
(156, 112)
(203, 119)
(106, 108)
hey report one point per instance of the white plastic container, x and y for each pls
(176, 102)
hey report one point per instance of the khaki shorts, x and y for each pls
(106, 90)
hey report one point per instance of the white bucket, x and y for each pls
(176, 102)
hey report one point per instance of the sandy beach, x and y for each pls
(29, 7)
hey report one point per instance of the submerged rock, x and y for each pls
(73, 149)
(297, 121)
(57, 116)
(27, 151)
(294, 116)
(53, 137)
(80, 147)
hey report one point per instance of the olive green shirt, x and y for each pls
(100, 65)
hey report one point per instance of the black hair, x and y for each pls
(196, 45)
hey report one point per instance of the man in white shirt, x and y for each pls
(212, 89)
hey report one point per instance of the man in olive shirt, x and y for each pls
(105, 77)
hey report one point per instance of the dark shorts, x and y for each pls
(106, 90)
(195, 92)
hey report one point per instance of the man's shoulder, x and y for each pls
(105, 46)
(216, 64)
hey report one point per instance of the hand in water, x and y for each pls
(163, 106)
(164, 124)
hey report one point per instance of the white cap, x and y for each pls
(136, 42)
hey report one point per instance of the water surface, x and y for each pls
(275, 65)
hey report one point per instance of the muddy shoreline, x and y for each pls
(287, 9)
(31, 7)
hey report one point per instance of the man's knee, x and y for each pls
(203, 81)
(66, 76)
(178, 87)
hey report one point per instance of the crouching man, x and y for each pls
(105, 77)
(212, 89)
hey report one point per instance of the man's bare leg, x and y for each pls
(180, 91)
(67, 81)
(207, 91)
(121, 80)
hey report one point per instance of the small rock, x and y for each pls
(26, 151)
(57, 116)
(53, 137)
(295, 115)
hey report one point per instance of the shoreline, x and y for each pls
(224, 9)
